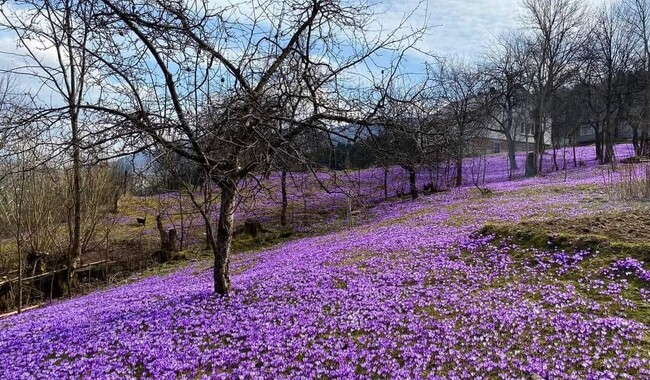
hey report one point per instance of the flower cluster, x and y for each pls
(630, 266)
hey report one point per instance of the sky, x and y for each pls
(458, 27)
(464, 27)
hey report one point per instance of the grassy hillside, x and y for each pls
(415, 293)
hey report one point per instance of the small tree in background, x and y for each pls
(555, 39)
(463, 109)
(506, 97)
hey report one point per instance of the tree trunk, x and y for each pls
(172, 240)
(599, 144)
(20, 272)
(209, 236)
(107, 251)
(74, 91)
(285, 203)
(646, 127)
(125, 183)
(19, 223)
(74, 254)
(575, 159)
(459, 172)
(115, 205)
(608, 154)
(511, 153)
(161, 232)
(385, 184)
(412, 185)
(182, 215)
(531, 169)
(225, 231)
(608, 151)
(541, 148)
(538, 136)
(168, 242)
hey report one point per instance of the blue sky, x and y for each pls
(464, 27)
(459, 27)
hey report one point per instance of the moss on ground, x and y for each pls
(608, 245)
(554, 238)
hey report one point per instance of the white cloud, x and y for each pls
(462, 27)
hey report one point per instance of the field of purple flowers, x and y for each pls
(415, 294)
(326, 194)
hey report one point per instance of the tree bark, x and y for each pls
(575, 159)
(541, 148)
(172, 240)
(412, 185)
(75, 250)
(225, 231)
(207, 195)
(75, 85)
(511, 153)
(161, 232)
(285, 203)
(538, 142)
(599, 144)
(459, 171)
(646, 126)
(635, 140)
(531, 169)
(385, 184)
(509, 140)
(20, 258)
(125, 183)
(608, 151)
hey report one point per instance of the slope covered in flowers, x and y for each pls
(415, 294)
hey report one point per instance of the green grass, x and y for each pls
(606, 251)
(544, 239)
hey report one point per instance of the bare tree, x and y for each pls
(413, 136)
(53, 40)
(556, 37)
(506, 104)
(463, 109)
(212, 83)
(637, 15)
(611, 48)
